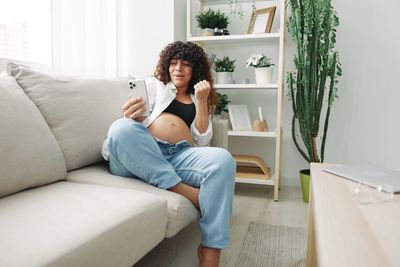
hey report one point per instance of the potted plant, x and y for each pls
(312, 25)
(224, 68)
(221, 122)
(210, 20)
(262, 68)
(222, 103)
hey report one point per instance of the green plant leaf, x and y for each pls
(212, 19)
(224, 64)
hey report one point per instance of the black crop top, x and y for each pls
(186, 112)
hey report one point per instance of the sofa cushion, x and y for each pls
(30, 155)
(72, 224)
(181, 211)
(79, 111)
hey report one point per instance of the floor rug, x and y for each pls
(267, 245)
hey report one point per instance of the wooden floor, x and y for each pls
(251, 203)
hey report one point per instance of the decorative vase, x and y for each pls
(263, 75)
(305, 184)
(222, 116)
(224, 77)
(208, 32)
(260, 125)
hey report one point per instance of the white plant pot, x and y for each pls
(224, 77)
(208, 32)
(263, 75)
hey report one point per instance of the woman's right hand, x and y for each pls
(134, 109)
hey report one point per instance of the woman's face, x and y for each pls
(180, 72)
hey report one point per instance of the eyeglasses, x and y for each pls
(366, 194)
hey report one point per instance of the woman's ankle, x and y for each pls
(209, 257)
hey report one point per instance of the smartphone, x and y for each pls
(137, 88)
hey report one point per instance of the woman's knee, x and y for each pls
(124, 127)
(224, 160)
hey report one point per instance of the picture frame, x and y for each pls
(261, 20)
(239, 117)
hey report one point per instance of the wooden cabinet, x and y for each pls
(344, 232)
(239, 45)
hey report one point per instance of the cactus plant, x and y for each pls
(312, 25)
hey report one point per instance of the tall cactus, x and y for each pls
(312, 25)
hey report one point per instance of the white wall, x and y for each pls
(145, 27)
(365, 126)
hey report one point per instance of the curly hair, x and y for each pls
(201, 70)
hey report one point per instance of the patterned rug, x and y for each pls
(267, 245)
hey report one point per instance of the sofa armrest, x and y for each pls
(220, 133)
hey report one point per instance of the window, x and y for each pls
(25, 30)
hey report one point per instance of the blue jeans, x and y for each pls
(135, 153)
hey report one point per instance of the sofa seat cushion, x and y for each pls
(181, 211)
(72, 224)
(30, 155)
(79, 111)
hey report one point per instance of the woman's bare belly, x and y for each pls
(170, 128)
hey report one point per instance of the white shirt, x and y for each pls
(160, 95)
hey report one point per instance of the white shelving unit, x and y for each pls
(252, 134)
(246, 86)
(238, 40)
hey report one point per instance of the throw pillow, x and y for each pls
(30, 155)
(79, 111)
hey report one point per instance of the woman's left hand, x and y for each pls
(202, 90)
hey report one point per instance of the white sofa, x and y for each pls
(59, 205)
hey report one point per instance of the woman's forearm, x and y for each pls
(201, 120)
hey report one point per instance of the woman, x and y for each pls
(166, 149)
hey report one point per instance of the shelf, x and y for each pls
(271, 134)
(219, 2)
(269, 181)
(246, 86)
(236, 38)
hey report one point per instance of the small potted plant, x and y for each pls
(221, 121)
(262, 67)
(222, 103)
(211, 20)
(224, 68)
